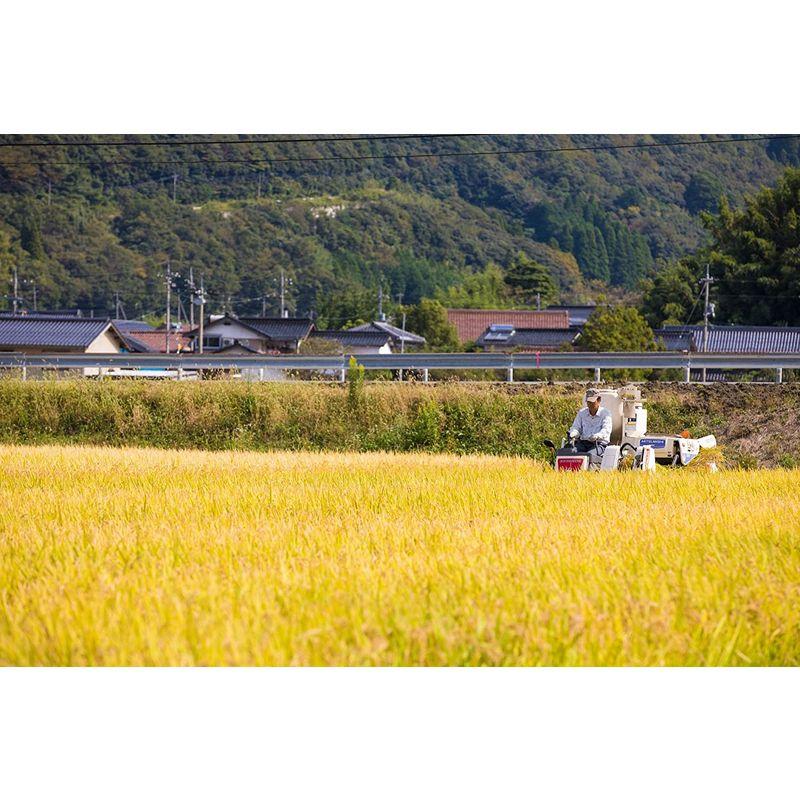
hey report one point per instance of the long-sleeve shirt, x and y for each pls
(595, 428)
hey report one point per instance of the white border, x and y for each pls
(617, 733)
(420, 66)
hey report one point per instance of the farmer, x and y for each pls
(591, 429)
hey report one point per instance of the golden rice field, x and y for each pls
(130, 557)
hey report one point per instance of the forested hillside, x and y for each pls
(85, 224)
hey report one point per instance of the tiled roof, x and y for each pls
(32, 330)
(507, 337)
(280, 328)
(184, 327)
(737, 338)
(673, 340)
(155, 341)
(471, 323)
(577, 314)
(398, 334)
(125, 325)
(64, 312)
(355, 338)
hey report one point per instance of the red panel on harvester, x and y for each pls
(570, 464)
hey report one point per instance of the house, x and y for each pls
(470, 323)
(261, 334)
(155, 341)
(508, 337)
(126, 325)
(400, 339)
(677, 340)
(356, 341)
(46, 333)
(238, 349)
(730, 338)
(727, 339)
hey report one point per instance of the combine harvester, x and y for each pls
(629, 436)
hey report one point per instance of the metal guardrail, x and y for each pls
(416, 361)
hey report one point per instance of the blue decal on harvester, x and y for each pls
(657, 443)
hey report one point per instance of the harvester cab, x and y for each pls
(629, 435)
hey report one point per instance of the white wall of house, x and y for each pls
(106, 342)
(231, 329)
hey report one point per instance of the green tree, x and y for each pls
(632, 196)
(344, 308)
(485, 289)
(591, 253)
(703, 193)
(785, 151)
(605, 248)
(755, 256)
(31, 236)
(671, 297)
(429, 319)
(530, 280)
(616, 329)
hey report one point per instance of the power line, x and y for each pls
(411, 155)
(196, 142)
(691, 311)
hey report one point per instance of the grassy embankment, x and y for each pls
(460, 418)
(136, 556)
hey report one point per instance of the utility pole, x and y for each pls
(708, 310)
(119, 307)
(200, 300)
(32, 282)
(49, 191)
(380, 302)
(169, 276)
(258, 191)
(16, 289)
(403, 340)
(538, 301)
(191, 298)
(284, 283)
(263, 305)
(174, 187)
(169, 291)
(182, 309)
